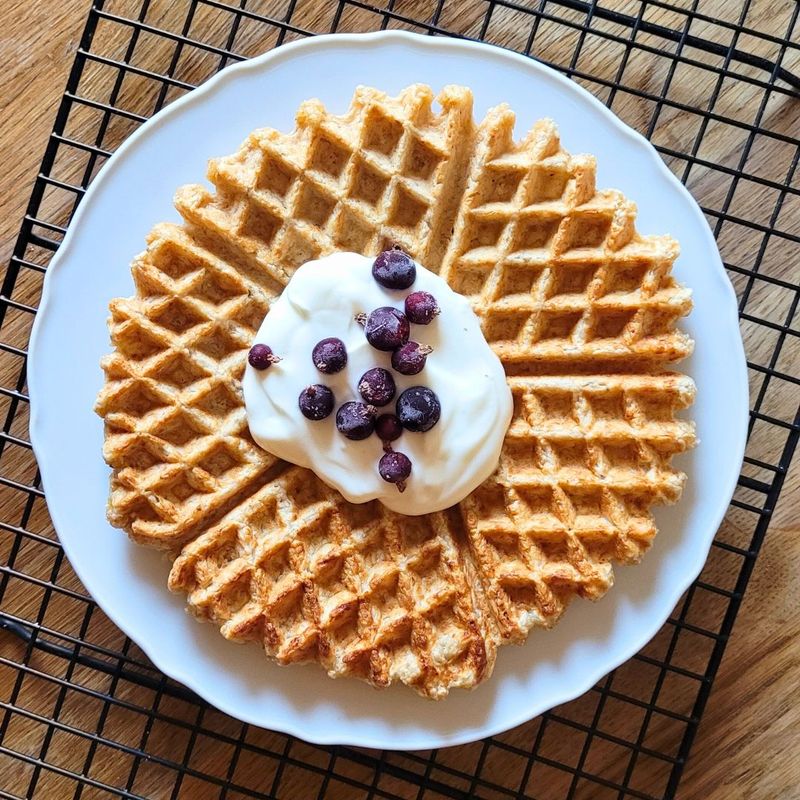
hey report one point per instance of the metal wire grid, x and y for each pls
(84, 712)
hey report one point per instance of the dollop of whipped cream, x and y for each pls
(448, 461)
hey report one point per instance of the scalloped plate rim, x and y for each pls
(203, 93)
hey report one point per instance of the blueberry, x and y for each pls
(419, 409)
(262, 357)
(329, 355)
(386, 328)
(394, 269)
(395, 468)
(421, 307)
(410, 358)
(316, 402)
(388, 428)
(356, 420)
(377, 387)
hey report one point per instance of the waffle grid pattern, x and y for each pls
(368, 593)
(141, 735)
(285, 198)
(181, 349)
(559, 512)
(554, 267)
(359, 182)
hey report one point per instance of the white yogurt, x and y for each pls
(450, 460)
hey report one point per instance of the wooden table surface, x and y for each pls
(749, 738)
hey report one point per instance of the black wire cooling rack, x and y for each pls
(84, 712)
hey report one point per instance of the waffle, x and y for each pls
(176, 432)
(364, 591)
(387, 172)
(584, 459)
(580, 308)
(554, 267)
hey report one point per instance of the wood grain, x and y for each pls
(750, 735)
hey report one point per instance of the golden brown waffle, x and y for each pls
(580, 308)
(584, 459)
(388, 171)
(555, 268)
(364, 591)
(176, 429)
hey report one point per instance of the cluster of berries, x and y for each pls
(387, 329)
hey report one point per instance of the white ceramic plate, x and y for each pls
(134, 191)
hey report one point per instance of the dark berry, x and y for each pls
(395, 468)
(394, 269)
(388, 428)
(316, 402)
(262, 357)
(377, 387)
(410, 358)
(418, 409)
(356, 420)
(329, 355)
(421, 307)
(386, 328)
